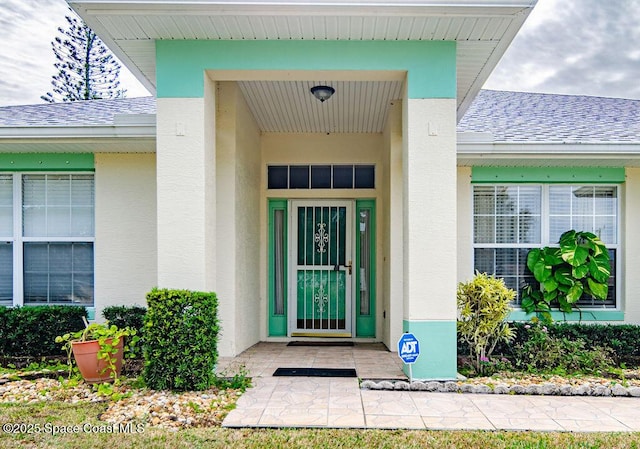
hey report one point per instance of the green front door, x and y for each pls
(321, 263)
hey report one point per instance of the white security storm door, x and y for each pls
(321, 265)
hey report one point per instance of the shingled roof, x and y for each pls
(533, 117)
(76, 113)
(507, 116)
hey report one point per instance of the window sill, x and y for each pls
(585, 315)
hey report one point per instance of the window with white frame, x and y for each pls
(46, 238)
(509, 220)
(6, 239)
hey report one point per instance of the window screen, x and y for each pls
(58, 231)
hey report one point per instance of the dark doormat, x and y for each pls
(320, 343)
(316, 372)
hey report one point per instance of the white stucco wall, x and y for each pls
(631, 246)
(465, 225)
(125, 248)
(185, 167)
(225, 227)
(392, 268)
(321, 149)
(247, 219)
(429, 166)
(238, 218)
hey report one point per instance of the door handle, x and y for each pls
(349, 266)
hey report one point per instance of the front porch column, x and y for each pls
(186, 192)
(429, 166)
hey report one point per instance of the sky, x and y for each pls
(578, 47)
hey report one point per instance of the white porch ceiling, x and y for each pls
(356, 106)
(483, 29)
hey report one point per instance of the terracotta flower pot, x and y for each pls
(95, 370)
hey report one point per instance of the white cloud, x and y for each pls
(26, 54)
(586, 47)
(27, 28)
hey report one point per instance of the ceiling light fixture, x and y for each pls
(322, 93)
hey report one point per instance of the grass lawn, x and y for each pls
(46, 416)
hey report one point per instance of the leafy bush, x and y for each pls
(580, 265)
(542, 351)
(126, 316)
(180, 340)
(483, 306)
(491, 365)
(31, 331)
(621, 339)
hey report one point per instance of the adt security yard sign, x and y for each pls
(408, 348)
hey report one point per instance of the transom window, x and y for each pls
(509, 220)
(321, 177)
(46, 239)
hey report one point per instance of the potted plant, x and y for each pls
(98, 350)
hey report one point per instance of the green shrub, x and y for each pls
(31, 331)
(542, 351)
(483, 306)
(180, 340)
(621, 339)
(126, 316)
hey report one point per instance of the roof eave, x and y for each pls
(76, 132)
(76, 144)
(491, 63)
(478, 152)
(515, 10)
(297, 7)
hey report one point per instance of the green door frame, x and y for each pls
(365, 323)
(278, 318)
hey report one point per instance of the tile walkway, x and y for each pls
(340, 403)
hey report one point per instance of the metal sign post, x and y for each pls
(408, 351)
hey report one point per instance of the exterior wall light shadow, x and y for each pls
(322, 93)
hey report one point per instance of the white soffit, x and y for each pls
(483, 29)
(356, 106)
(77, 145)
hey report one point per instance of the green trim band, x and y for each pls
(46, 162)
(585, 315)
(181, 64)
(592, 175)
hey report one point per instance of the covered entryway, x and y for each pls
(322, 269)
(224, 70)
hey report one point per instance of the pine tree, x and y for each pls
(86, 68)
